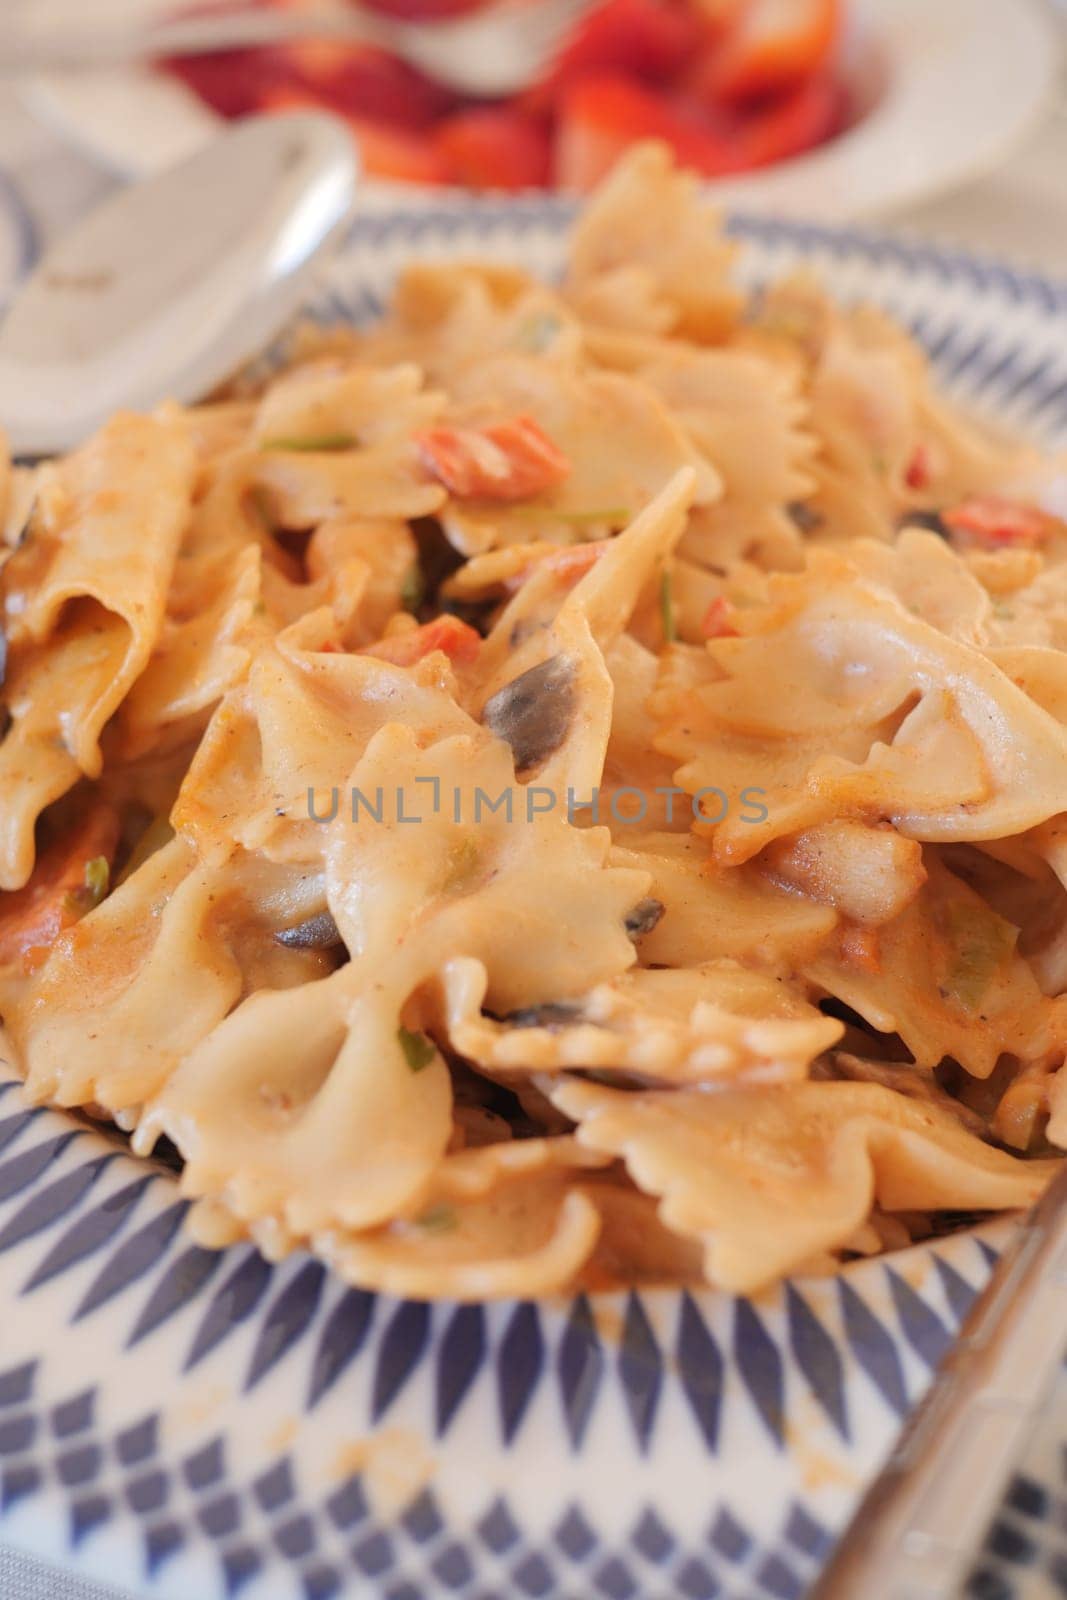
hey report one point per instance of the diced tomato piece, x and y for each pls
(919, 468)
(57, 895)
(231, 82)
(999, 524)
(495, 147)
(367, 83)
(796, 121)
(774, 45)
(425, 10)
(720, 619)
(568, 563)
(505, 461)
(459, 641)
(861, 948)
(602, 116)
(649, 40)
(386, 152)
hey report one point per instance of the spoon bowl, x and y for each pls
(172, 284)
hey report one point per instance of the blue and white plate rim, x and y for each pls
(184, 1424)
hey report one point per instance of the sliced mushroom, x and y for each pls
(533, 712)
(552, 1015)
(314, 933)
(644, 917)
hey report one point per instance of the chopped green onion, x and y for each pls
(981, 944)
(462, 864)
(666, 607)
(413, 589)
(92, 890)
(439, 1219)
(312, 442)
(537, 331)
(418, 1050)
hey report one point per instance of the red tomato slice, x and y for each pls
(231, 82)
(797, 121)
(33, 917)
(459, 641)
(601, 117)
(645, 39)
(367, 83)
(720, 619)
(999, 524)
(774, 45)
(425, 10)
(505, 461)
(494, 147)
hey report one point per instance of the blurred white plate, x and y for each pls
(947, 87)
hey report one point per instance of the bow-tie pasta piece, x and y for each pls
(139, 981)
(947, 977)
(747, 418)
(84, 601)
(448, 317)
(711, 1024)
(767, 1177)
(512, 1220)
(618, 441)
(649, 253)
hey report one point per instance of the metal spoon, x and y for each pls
(172, 284)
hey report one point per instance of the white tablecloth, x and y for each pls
(1019, 212)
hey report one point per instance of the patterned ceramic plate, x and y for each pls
(196, 1426)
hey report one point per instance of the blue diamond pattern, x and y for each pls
(873, 1348)
(581, 1369)
(701, 1368)
(287, 1320)
(459, 1360)
(133, 1258)
(343, 1336)
(760, 1365)
(640, 1370)
(817, 1356)
(399, 1353)
(178, 1287)
(574, 1535)
(519, 1367)
(233, 1302)
(923, 1328)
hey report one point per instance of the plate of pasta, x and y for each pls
(532, 929)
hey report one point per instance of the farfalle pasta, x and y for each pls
(564, 787)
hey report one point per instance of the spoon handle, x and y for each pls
(920, 1527)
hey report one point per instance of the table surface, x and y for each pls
(1018, 211)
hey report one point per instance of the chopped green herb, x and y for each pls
(439, 1219)
(92, 890)
(981, 944)
(462, 864)
(413, 589)
(666, 607)
(312, 442)
(537, 331)
(418, 1050)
